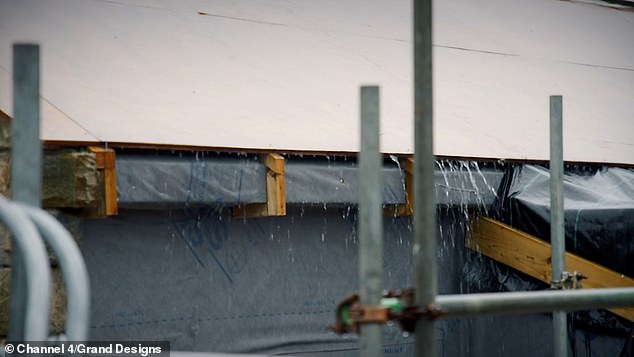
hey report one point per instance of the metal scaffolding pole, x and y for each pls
(424, 250)
(557, 233)
(370, 219)
(525, 302)
(26, 163)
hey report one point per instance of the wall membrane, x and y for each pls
(209, 282)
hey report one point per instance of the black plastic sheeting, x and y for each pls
(172, 182)
(158, 182)
(176, 265)
(208, 282)
(599, 226)
(598, 209)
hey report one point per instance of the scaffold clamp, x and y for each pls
(396, 305)
(568, 281)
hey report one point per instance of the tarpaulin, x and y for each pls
(599, 226)
(598, 212)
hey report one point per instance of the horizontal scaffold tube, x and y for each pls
(526, 302)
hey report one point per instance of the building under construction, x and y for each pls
(205, 156)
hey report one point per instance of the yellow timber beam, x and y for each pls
(275, 191)
(531, 256)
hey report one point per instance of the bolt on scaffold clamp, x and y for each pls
(568, 281)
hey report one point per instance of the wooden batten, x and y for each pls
(407, 208)
(105, 161)
(275, 191)
(532, 256)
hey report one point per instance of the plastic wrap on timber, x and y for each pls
(70, 180)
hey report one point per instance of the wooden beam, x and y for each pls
(406, 209)
(105, 160)
(275, 191)
(531, 256)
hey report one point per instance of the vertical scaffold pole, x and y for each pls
(424, 250)
(370, 219)
(557, 233)
(26, 163)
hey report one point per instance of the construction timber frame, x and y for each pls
(275, 204)
(430, 305)
(87, 163)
